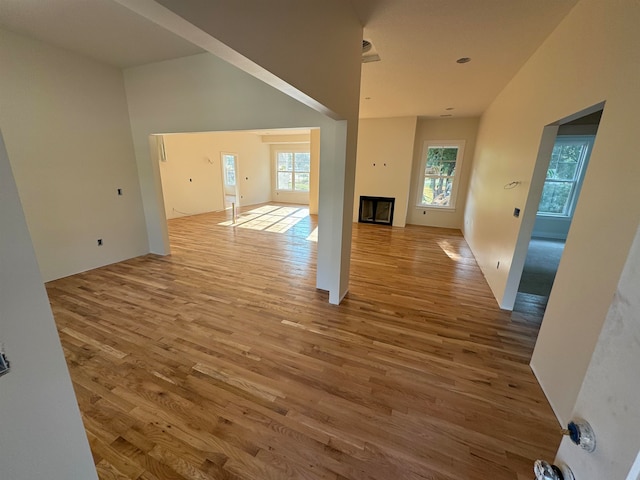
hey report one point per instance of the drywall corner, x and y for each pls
(37, 403)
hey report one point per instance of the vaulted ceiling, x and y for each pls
(418, 42)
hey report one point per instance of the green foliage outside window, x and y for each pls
(439, 173)
(562, 176)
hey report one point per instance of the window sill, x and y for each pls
(436, 208)
(551, 215)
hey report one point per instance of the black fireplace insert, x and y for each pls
(376, 210)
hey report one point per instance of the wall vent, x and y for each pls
(369, 53)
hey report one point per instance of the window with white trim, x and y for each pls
(439, 173)
(564, 174)
(229, 163)
(292, 171)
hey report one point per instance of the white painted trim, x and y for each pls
(528, 216)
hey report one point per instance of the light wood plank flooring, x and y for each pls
(222, 361)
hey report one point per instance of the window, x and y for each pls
(229, 163)
(441, 162)
(293, 170)
(564, 174)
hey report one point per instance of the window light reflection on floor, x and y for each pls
(269, 218)
(313, 236)
(449, 250)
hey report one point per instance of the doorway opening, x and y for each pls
(205, 172)
(565, 171)
(230, 176)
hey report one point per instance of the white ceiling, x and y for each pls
(100, 29)
(418, 42)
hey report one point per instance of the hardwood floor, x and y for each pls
(222, 361)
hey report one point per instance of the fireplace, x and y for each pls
(376, 210)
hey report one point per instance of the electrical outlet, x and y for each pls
(99, 242)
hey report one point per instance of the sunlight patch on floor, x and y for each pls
(449, 250)
(313, 236)
(269, 218)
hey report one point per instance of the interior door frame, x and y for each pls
(224, 177)
(547, 142)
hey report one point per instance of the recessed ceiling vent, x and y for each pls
(369, 53)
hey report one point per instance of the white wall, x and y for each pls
(253, 164)
(66, 128)
(203, 93)
(433, 130)
(272, 33)
(383, 168)
(597, 37)
(42, 434)
(314, 188)
(608, 399)
(192, 175)
(291, 138)
(256, 37)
